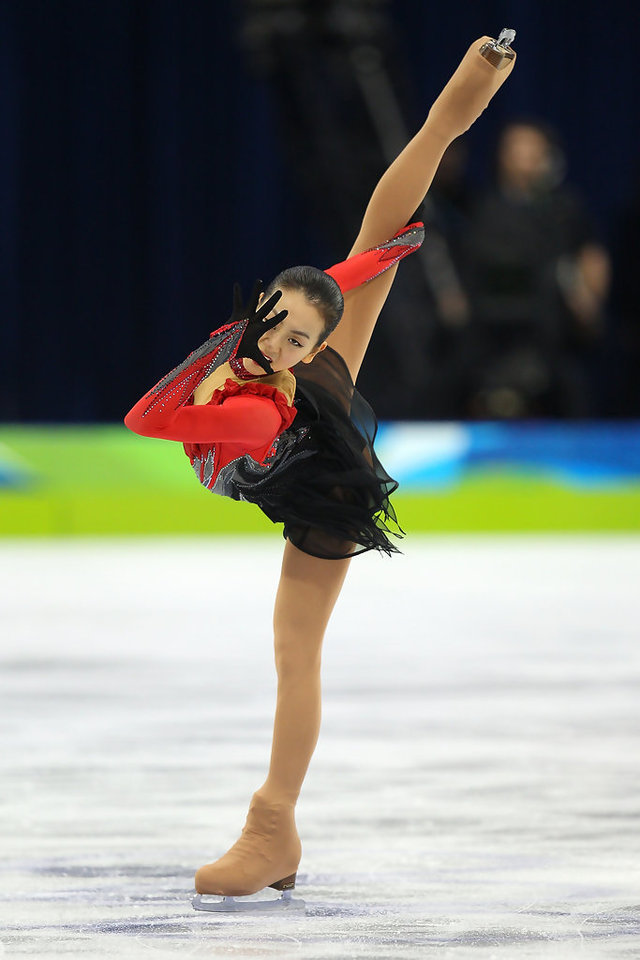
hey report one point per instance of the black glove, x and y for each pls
(237, 338)
(257, 326)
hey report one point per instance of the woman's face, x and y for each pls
(523, 156)
(294, 339)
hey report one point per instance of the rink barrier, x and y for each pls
(454, 477)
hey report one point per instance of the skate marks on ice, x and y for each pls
(395, 927)
(474, 792)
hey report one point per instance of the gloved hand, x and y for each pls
(237, 338)
(257, 325)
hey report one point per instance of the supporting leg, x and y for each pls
(268, 851)
(308, 590)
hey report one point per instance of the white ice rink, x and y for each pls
(475, 792)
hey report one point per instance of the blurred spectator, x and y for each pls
(627, 307)
(537, 279)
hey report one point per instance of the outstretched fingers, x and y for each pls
(261, 315)
(257, 315)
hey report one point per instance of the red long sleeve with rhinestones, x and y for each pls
(251, 420)
(240, 418)
(365, 266)
(167, 410)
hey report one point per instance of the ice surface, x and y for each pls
(475, 792)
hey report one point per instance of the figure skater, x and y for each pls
(267, 411)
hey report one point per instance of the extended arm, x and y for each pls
(162, 411)
(252, 421)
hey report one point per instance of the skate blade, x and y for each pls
(244, 905)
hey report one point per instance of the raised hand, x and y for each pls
(237, 338)
(257, 320)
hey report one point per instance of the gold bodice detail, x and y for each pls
(283, 380)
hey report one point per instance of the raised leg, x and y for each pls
(404, 185)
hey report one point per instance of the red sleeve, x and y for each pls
(364, 266)
(249, 419)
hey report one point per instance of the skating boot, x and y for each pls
(267, 854)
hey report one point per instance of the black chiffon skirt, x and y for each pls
(326, 484)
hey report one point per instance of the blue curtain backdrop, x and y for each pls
(140, 174)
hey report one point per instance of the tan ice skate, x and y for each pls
(267, 854)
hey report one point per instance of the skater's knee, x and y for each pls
(296, 653)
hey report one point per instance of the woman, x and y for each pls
(300, 445)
